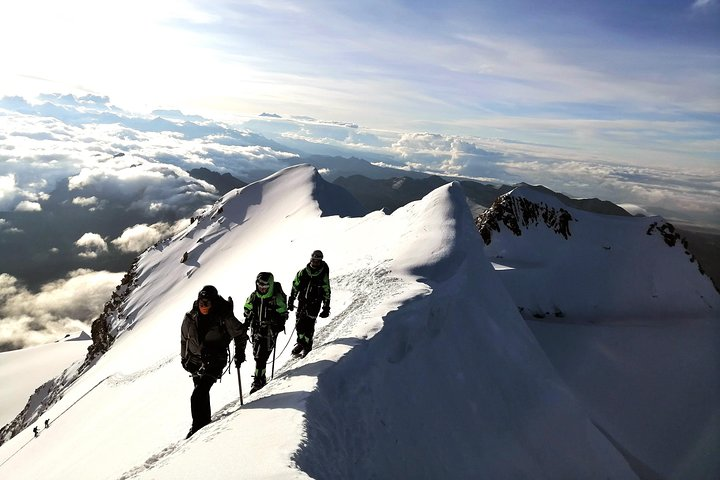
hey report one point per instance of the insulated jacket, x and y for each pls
(312, 287)
(266, 310)
(204, 338)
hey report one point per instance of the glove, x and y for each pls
(325, 312)
(239, 359)
(277, 327)
(191, 365)
(291, 303)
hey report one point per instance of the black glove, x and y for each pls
(239, 359)
(291, 303)
(325, 311)
(277, 327)
(191, 365)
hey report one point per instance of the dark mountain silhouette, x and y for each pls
(335, 167)
(388, 194)
(223, 182)
(392, 193)
(594, 205)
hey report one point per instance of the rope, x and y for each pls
(290, 337)
(60, 415)
(18, 450)
(272, 362)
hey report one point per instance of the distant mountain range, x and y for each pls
(375, 187)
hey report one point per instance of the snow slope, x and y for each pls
(22, 371)
(608, 268)
(425, 369)
(631, 325)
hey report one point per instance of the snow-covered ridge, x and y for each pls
(571, 265)
(424, 342)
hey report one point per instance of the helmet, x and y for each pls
(209, 292)
(264, 279)
(316, 259)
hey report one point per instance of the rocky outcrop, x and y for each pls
(666, 230)
(516, 212)
(671, 237)
(101, 329)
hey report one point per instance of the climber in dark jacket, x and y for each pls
(204, 339)
(265, 313)
(311, 287)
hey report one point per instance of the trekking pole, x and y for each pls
(240, 386)
(272, 371)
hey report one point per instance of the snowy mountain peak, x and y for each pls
(592, 267)
(291, 187)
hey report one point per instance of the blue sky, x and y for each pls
(634, 83)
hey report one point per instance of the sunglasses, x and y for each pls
(262, 284)
(204, 302)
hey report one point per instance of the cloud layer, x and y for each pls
(111, 156)
(60, 307)
(140, 237)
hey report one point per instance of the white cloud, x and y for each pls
(85, 201)
(701, 4)
(140, 237)
(7, 227)
(141, 185)
(8, 190)
(91, 245)
(60, 307)
(635, 209)
(28, 206)
(150, 174)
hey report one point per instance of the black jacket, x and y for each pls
(266, 311)
(204, 338)
(312, 287)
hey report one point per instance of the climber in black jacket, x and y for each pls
(204, 339)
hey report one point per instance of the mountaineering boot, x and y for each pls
(297, 351)
(258, 383)
(194, 429)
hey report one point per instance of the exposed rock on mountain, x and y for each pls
(514, 212)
